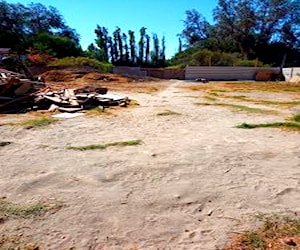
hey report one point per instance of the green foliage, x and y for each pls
(197, 56)
(196, 28)
(20, 25)
(54, 45)
(82, 61)
(267, 30)
(104, 146)
(122, 50)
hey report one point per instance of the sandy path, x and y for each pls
(194, 181)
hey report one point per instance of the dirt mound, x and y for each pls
(96, 76)
(61, 75)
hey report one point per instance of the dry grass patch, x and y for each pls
(106, 145)
(36, 122)
(246, 87)
(292, 123)
(168, 113)
(243, 98)
(9, 210)
(275, 234)
(241, 108)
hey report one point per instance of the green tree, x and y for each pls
(132, 47)
(155, 52)
(147, 50)
(162, 56)
(111, 48)
(54, 45)
(196, 28)
(180, 45)
(102, 40)
(254, 25)
(126, 48)
(95, 53)
(142, 45)
(19, 25)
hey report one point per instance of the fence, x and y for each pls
(225, 73)
(132, 71)
(166, 73)
(291, 73)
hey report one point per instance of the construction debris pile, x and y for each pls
(18, 93)
(69, 100)
(16, 90)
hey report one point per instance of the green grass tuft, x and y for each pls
(289, 125)
(106, 145)
(168, 113)
(241, 108)
(253, 240)
(10, 210)
(296, 118)
(37, 122)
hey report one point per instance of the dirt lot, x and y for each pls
(194, 182)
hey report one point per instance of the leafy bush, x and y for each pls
(82, 61)
(197, 56)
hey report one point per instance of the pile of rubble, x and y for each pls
(16, 90)
(18, 93)
(70, 100)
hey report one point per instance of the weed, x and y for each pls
(210, 98)
(275, 233)
(11, 210)
(255, 101)
(104, 146)
(254, 241)
(241, 108)
(296, 118)
(37, 122)
(168, 113)
(288, 125)
(246, 87)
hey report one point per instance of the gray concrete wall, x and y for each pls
(224, 73)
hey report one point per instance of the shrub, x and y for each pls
(82, 61)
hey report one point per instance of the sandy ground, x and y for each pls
(194, 182)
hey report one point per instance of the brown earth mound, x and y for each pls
(61, 75)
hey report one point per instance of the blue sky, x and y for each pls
(163, 17)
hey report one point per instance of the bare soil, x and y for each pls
(194, 183)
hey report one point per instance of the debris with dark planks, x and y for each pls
(16, 91)
(20, 94)
(70, 100)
